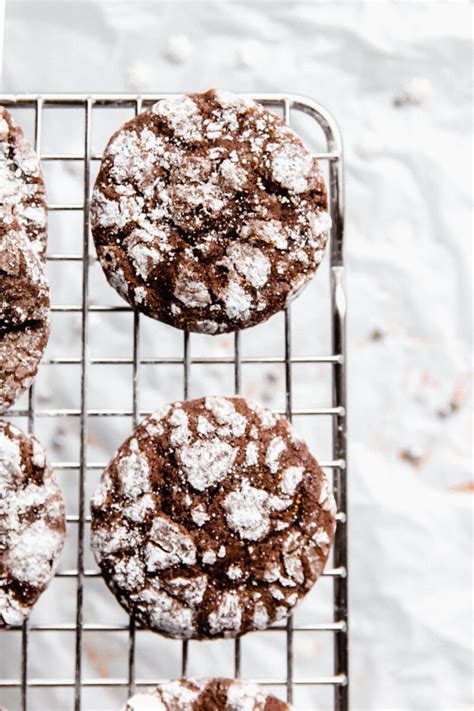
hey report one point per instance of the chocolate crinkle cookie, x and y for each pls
(22, 192)
(213, 519)
(208, 212)
(24, 291)
(206, 695)
(24, 315)
(32, 523)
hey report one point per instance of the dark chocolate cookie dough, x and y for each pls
(213, 519)
(207, 695)
(32, 523)
(208, 212)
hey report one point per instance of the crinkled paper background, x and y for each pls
(397, 78)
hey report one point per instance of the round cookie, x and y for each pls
(32, 523)
(24, 315)
(213, 519)
(22, 191)
(208, 213)
(206, 695)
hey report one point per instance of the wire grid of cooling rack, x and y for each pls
(337, 359)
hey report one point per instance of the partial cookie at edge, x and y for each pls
(22, 189)
(203, 694)
(24, 316)
(32, 523)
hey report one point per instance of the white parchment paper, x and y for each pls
(396, 76)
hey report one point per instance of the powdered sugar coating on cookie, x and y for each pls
(213, 519)
(208, 212)
(202, 694)
(32, 523)
(22, 192)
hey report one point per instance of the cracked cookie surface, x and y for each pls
(208, 213)
(32, 523)
(213, 519)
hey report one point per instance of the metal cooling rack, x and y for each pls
(338, 626)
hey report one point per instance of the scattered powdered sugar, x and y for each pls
(156, 417)
(115, 538)
(321, 537)
(180, 422)
(250, 262)
(267, 418)
(171, 616)
(138, 509)
(116, 213)
(206, 463)
(251, 454)
(182, 114)
(209, 557)
(245, 697)
(191, 293)
(247, 512)
(326, 499)
(228, 615)
(10, 459)
(191, 590)
(260, 616)
(118, 281)
(291, 166)
(39, 455)
(240, 103)
(30, 552)
(233, 174)
(133, 472)
(145, 259)
(179, 693)
(276, 593)
(272, 573)
(226, 414)
(170, 546)
(320, 223)
(292, 558)
(291, 478)
(199, 515)
(208, 326)
(236, 300)
(274, 451)
(204, 427)
(273, 232)
(234, 572)
(104, 488)
(145, 702)
(130, 573)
